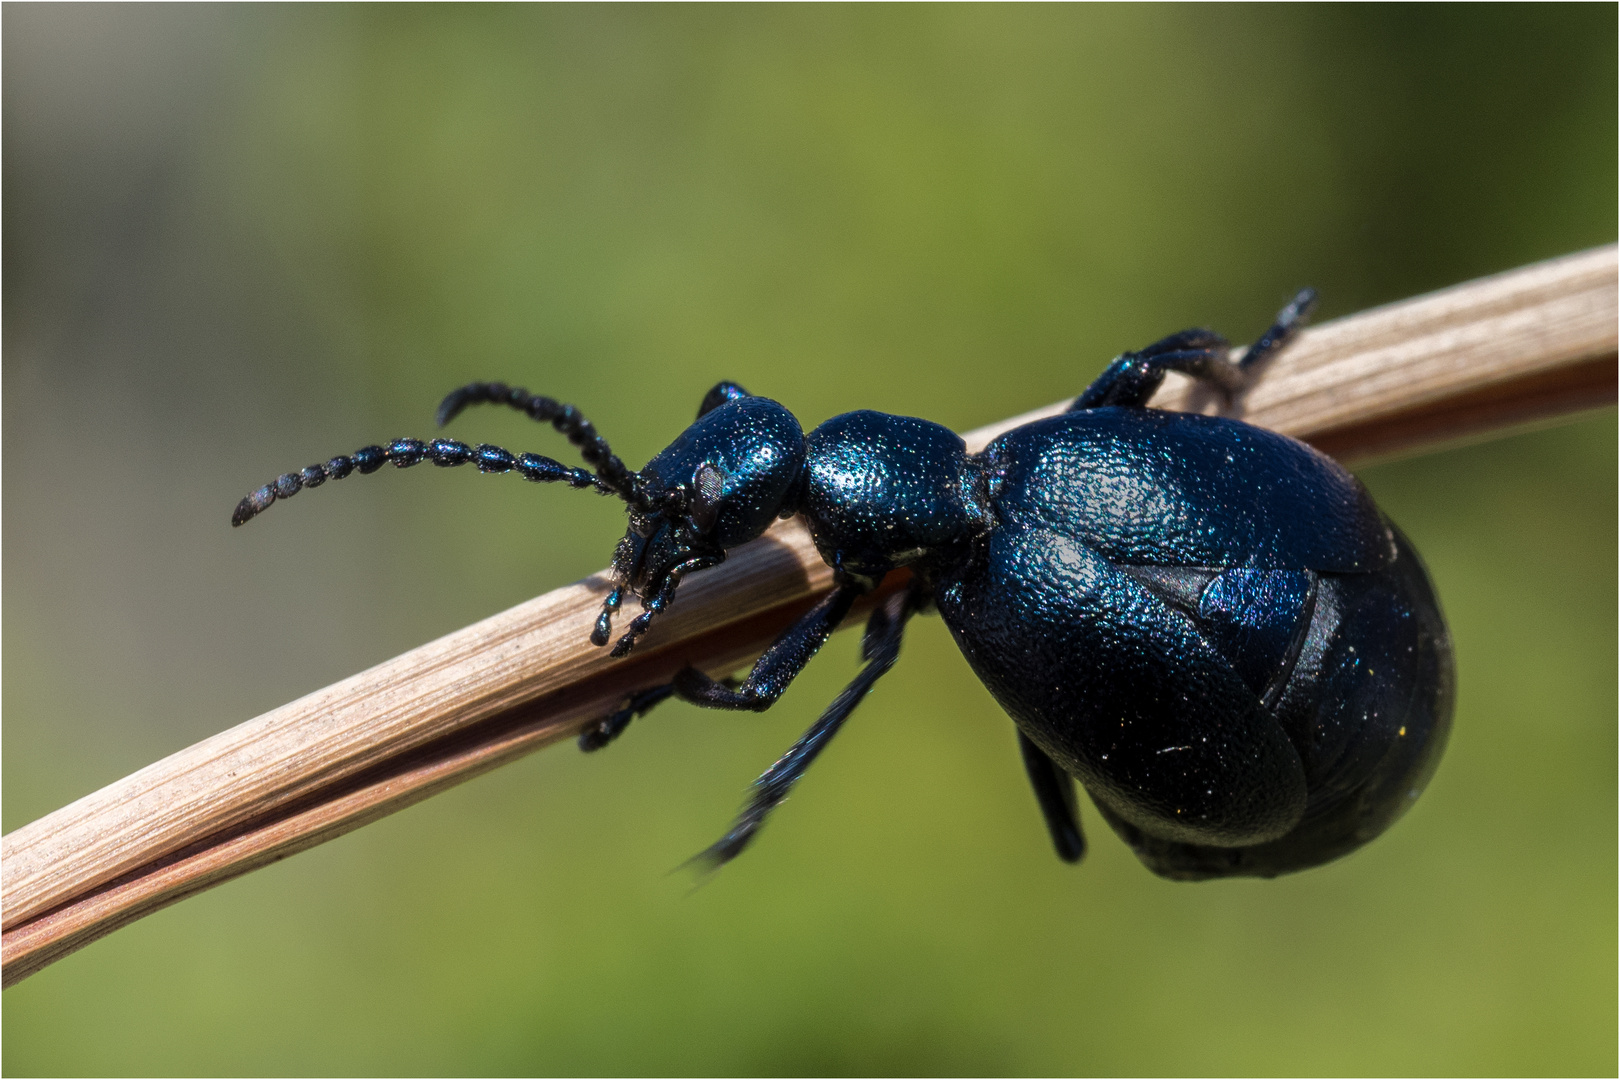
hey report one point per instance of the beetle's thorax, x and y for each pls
(884, 491)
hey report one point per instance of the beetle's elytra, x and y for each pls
(1209, 625)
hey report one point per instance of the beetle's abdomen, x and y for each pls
(1364, 692)
(1214, 629)
(1151, 488)
(1256, 619)
(1123, 692)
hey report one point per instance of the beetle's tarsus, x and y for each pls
(1290, 321)
(611, 726)
(1134, 377)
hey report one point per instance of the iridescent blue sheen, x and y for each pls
(1209, 625)
(1215, 715)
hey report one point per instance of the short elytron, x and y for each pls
(1209, 625)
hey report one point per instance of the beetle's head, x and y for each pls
(720, 484)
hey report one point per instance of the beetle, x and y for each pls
(1209, 625)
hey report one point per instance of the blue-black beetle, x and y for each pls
(1209, 625)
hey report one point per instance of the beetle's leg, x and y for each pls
(651, 606)
(404, 453)
(722, 393)
(611, 726)
(565, 418)
(879, 648)
(623, 567)
(1134, 377)
(1054, 790)
(778, 665)
(1188, 340)
(1290, 321)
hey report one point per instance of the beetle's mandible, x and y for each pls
(1209, 625)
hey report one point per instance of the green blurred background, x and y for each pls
(238, 239)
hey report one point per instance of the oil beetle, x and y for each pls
(1209, 625)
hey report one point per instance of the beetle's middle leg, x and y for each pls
(779, 664)
(880, 647)
(1134, 377)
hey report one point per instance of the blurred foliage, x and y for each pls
(240, 238)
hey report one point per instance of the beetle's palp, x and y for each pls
(403, 453)
(652, 604)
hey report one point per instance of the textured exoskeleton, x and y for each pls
(1209, 625)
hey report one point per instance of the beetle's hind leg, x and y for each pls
(1134, 377)
(1290, 321)
(1054, 790)
(880, 647)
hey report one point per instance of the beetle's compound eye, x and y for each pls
(704, 506)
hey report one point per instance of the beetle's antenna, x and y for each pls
(403, 453)
(568, 420)
(880, 648)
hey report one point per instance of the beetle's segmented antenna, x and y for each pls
(565, 418)
(403, 453)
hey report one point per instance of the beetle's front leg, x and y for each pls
(611, 726)
(601, 732)
(780, 663)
